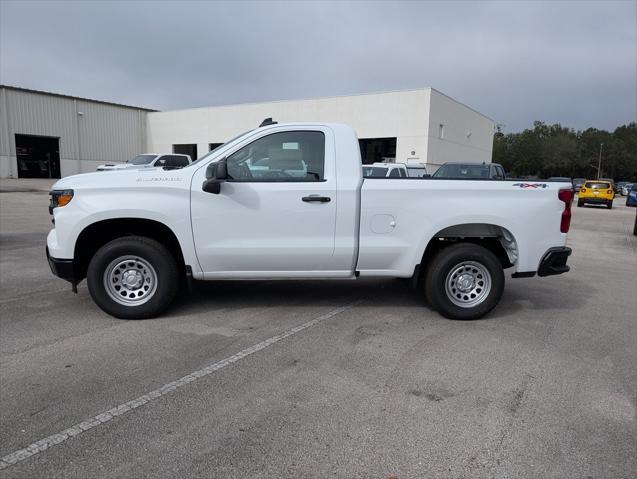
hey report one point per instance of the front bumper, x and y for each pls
(62, 268)
(554, 261)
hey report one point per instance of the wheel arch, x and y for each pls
(97, 234)
(498, 239)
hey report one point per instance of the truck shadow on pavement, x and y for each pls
(520, 295)
(229, 294)
(558, 293)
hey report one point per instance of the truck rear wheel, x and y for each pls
(133, 278)
(464, 281)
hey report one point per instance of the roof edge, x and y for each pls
(62, 95)
(463, 104)
(226, 105)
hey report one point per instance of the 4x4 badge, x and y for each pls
(530, 185)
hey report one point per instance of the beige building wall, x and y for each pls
(407, 116)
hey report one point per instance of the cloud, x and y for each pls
(568, 62)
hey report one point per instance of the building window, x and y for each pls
(374, 150)
(441, 131)
(214, 146)
(186, 149)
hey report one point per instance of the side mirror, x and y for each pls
(216, 173)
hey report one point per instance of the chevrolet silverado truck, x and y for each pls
(289, 201)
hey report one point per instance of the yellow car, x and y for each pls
(596, 192)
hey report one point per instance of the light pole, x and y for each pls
(599, 161)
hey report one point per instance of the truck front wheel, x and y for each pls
(464, 281)
(133, 278)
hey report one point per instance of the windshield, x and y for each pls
(220, 146)
(454, 170)
(141, 160)
(597, 186)
(374, 172)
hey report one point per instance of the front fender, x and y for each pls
(170, 207)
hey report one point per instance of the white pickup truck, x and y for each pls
(303, 212)
(149, 160)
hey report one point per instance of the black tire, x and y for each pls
(609, 204)
(580, 203)
(464, 255)
(139, 257)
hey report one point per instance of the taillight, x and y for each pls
(566, 195)
(583, 190)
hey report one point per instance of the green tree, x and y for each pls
(554, 150)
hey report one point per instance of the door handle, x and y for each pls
(316, 198)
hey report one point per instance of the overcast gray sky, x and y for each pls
(569, 62)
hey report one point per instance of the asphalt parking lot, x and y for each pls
(322, 379)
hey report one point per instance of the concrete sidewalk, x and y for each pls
(26, 184)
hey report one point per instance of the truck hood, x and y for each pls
(146, 176)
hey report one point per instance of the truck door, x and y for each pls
(275, 214)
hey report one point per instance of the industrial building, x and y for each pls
(50, 135)
(47, 135)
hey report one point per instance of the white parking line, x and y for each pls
(92, 422)
(628, 235)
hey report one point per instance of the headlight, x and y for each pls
(60, 198)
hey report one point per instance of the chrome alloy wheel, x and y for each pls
(468, 284)
(130, 280)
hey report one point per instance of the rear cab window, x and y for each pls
(596, 185)
(374, 172)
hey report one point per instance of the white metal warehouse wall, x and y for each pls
(89, 132)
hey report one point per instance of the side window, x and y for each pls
(402, 173)
(395, 173)
(499, 173)
(177, 161)
(285, 156)
(172, 161)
